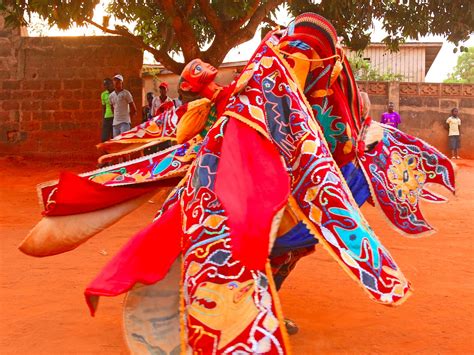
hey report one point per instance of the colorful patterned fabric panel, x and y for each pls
(350, 90)
(173, 162)
(398, 169)
(336, 122)
(335, 106)
(317, 184)
(161, 126)
(230, 308)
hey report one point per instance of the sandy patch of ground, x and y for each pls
(43, 309)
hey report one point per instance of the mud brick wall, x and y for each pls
(50, 92)
(424, 108)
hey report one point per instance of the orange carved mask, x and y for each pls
(196, 76)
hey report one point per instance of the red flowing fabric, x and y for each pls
(145, 259)
(164, 106)
(253, 186)
(77, 194)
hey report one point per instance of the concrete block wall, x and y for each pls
(50, 91)
(424, 108)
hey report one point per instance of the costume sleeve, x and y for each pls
(382, 118)
(448, 120)
(102, 98)
(399, 119)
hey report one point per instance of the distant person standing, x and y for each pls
(391, 117)
(454, 135)
(161, 102)
(122, 106)
(107, 113)
(146, 113)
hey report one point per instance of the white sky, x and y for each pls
(442, 66)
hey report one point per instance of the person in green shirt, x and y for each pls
(107, 113)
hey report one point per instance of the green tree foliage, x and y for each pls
(464, 70)
(364, 71)
(210, 28)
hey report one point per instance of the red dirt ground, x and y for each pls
(43, 310)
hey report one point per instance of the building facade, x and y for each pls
(412, 61)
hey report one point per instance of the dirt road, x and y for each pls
(43, 309)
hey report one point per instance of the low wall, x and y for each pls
(424, 108)
(50, 91)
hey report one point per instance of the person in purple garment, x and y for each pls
(390, 117)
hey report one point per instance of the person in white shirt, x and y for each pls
(158, 101)
(454, 122)
(122, 106)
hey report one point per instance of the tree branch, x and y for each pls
(210, 15)
(168, 39)
(216, 53)
(250, 12)
(268, 20)
(161, 55)
(189, 7)
(100, 27)
(183, 30)
(258, 16)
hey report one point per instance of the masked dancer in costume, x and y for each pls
(277, 161)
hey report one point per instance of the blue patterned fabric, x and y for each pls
(356, 181)
(297, 237)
